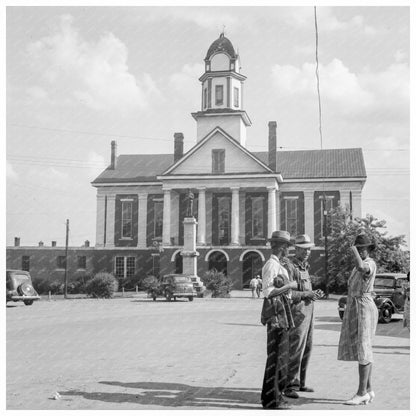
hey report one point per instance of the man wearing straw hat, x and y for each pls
(277, 316)
(300, 337)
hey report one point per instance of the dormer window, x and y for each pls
(219, 95)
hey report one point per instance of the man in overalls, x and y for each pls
(300, 337)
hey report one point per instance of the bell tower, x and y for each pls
(222, 93)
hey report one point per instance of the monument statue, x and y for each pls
(189, 204)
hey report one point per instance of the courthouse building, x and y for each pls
(240, 196)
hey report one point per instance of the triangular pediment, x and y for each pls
(198, 160)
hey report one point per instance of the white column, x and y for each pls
(201, 216)
(142, 220)
(111, 218)
(166, 217)
(100, 224)
(271, 217)
(235, 216)
(344, 198)
(309, 214)
(356, 204)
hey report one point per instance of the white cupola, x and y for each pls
(222, 93)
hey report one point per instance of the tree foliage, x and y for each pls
(219, 283)
(389, 254)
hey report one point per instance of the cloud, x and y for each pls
(345, 92)
(303, 17)
(11, 174)
(93, 74)
(186, 83)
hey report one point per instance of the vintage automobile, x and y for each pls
(19, 287)
(173, 286)
(387, 296)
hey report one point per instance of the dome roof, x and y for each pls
(222, 44)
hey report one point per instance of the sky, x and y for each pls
(79, 77)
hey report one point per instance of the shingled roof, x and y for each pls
(298, 164)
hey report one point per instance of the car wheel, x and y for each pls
(168, 296)
(385, 314)
(28, 302)
(191, 298)
(341, 314)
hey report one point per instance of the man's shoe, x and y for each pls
(283, 406)
(291, 393)
(306, 389)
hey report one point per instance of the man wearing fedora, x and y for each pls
(300, 337)
(277, 316)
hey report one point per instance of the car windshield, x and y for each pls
(387, 282)
(182, 279)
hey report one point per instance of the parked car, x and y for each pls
(19, 287)
(173, 286)
(387, 296)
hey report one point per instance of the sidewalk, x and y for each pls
(133, 353)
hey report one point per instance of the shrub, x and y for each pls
(131, 282)
(218, 283)
(102, 285)
(318, 282)
(44, 286)
(78, 282)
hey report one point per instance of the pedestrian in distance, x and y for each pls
(360, 319)
(259, 285)
(302, 306)
(406, 294)
(253, 286)
(276, 315)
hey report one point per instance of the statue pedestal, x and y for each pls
(189, 253)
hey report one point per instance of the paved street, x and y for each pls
(133, 353)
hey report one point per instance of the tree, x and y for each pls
(389, 254)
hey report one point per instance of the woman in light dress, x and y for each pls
(360, 319)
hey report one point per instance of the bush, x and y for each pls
(318, 282)
(131, 282)
(219, 284)
(102, 285)
(44, 286)
(78, 282)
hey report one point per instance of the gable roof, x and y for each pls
(294, 164)
(226, 136)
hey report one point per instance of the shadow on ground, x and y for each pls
(175, 395)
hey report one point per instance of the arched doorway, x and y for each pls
(178, 263)
(218, 261)
(252, 265)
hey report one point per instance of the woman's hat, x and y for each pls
(281, 236)
(363, 241)
(303, 241)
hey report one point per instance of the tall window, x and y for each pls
(26, 263)
(126, 219)
(219, 95)
(82, 262)
(158, 218)
(125, 267)
(224, 223)
(291, 215)
(218, 160)
(60, 262)
(257, 217)
(236, 97)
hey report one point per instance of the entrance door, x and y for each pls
(252, 265)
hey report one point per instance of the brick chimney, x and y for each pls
(113, 154)
(178, 150)
(272, 145)
(86, 243)
(53, 244)
(17, 241)
(40, 243)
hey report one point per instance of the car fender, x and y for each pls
(380, 302)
